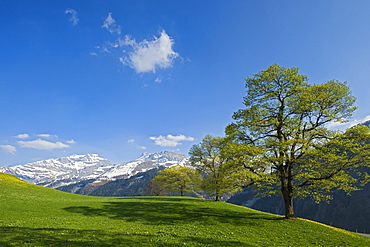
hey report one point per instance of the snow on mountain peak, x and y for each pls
(162, 157)
(52, 172)
(75, 168)
(146, 162)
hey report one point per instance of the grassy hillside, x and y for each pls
(37, 216)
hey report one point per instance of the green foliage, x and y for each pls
(242, 165)
(218, 178)
(335, 165)
(178, 179)
(286, 117)
(37, 216)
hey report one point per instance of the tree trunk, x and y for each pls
(287, 191)
(288, 203)
(218, 197)
(182, 192)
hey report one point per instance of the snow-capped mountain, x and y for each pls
(57, 172)
(76, 168)
(162, 157)
(144, 163)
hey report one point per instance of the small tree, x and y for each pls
(155, 188)
(178, 179)
(286, 118)
(209, 158)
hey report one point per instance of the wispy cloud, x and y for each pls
(46, 136)
(22, 136)
(74, 19)
(170, 140)
(346, 125)
(111, 25)
(42, 144)
(158, 80)
(138, 146)
(71, 141)
(148, 56)
(8, 149)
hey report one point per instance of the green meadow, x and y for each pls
(36, 216)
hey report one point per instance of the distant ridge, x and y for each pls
(63, 171)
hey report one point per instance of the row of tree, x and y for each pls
(280, 143)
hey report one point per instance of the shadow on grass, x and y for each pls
(157, 211)
(24, 236)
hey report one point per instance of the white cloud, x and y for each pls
(141, 147)
(337, 125)
(346, 125)
(131, 140)
(46, 135)
(148, 56)
(111, 25)
(145, 56)
(73, 18)
(170, 140)
(22, 136)
(158, 80)
(42, 144)
(8, 148)
(71, 141)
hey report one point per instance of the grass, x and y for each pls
(31, 215)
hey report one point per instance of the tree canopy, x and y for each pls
(207, 158)
(177, 179)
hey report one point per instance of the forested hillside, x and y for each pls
(344, 211)
(133, 186)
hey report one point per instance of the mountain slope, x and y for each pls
(344, 211)
(144, 163)
(138, 173)
(57, 172)
(132, 186)
(37, 216)
(75, 169)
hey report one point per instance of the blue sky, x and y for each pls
(119, 78)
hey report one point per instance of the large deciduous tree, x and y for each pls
(286, 118)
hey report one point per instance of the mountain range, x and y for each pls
(75, 169)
